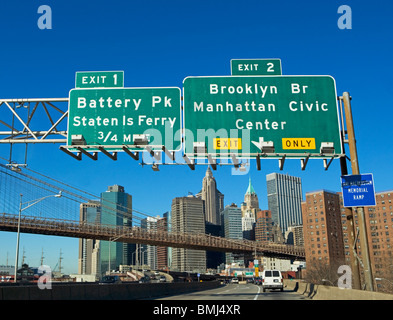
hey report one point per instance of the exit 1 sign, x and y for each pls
(99, 79)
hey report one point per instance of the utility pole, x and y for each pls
(360, 211)
(356, 283)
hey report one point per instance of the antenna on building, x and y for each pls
(60, 258)
(23, 257)
(42, 257)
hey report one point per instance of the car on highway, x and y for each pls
(110, 279)
(145, 279)
(272, 279)
(235, 280)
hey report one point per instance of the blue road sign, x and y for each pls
(358, 190)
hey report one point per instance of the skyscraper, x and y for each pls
(149, 252)
(213, 198)
(284, 196)
(231, 220)
(251, 202)
(187, 216)
(214, 258)
(116, 210)
(162, 252)
(263, 226)
(323, 234)
(249, 209)
(90, 212)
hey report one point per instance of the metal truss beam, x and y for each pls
(20, 117)
(18, 120)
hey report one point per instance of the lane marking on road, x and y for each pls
(256, 296)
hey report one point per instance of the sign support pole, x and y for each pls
(351, 228)
(355, 171)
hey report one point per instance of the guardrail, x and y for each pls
(321, 292)
(95, 291)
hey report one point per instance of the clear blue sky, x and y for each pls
(159, 43)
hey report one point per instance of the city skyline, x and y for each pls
(159, 44)
(73, 263)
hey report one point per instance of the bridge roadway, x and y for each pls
(76, 229)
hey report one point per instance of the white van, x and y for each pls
(272, 279)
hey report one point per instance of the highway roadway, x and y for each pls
(241, 291)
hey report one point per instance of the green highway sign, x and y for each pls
(256, 67)
(272, 116)
(131, 117)
(99, 79)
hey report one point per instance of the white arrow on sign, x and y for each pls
(264, 146)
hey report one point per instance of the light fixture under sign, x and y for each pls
(327, 148)
(140, 139)
(78, 140)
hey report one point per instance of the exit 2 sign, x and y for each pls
(256, 67)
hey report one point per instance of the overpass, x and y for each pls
(76, 229)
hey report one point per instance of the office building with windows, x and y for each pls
(116, 210)
(249, 209)
(284, 194)
(187, 217)
(264, 226)
(322, 229)
(251, 201)
(162, 252)
(149, 252)
(212, 197)
(89, 212)
(379, 225)
(231, 221)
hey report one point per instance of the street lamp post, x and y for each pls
(380, 279)
(19, 218)
(327, 280)
(142, 256)
(109, 256)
